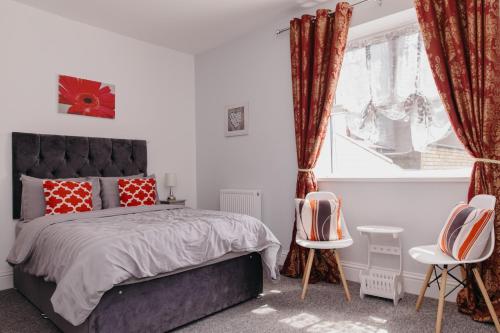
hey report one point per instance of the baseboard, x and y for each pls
(6, 280)
(412, 281)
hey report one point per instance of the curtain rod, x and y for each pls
(282, 30)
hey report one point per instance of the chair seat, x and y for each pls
(325, 245)
(432, 255)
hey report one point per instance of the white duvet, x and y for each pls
(86, 254)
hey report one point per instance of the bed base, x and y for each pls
(157, 305)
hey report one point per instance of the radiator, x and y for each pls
(247, 202)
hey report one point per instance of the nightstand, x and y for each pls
(176, 202)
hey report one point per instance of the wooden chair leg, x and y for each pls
(487, 300)
(305, 270)
(442, 293)
(342, 277)
(463, 272)
(424, 287)
(307, 273)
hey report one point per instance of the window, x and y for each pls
(387, 118)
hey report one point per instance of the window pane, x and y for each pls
(388, 118)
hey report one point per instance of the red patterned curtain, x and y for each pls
(462, 43)
(317, 46)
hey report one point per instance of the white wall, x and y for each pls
(154, 96)
(420, 207)
(256, 68)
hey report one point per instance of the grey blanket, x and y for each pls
(86, 254)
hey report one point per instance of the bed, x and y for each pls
(152, 300)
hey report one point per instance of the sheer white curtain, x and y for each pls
(384, 79)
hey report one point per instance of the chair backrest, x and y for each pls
(485, 201)
(327, 196)
(320, 196)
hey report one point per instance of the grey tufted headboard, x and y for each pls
(57, 156)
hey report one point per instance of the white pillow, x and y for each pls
(466, 232)
(319, 220)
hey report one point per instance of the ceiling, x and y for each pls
(191, 26)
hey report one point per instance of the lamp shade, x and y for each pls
(170, 180)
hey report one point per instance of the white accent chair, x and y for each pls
(324, 245)
(437, 260)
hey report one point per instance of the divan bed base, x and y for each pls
(157, 305)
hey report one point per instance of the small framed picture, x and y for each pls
(236, 119)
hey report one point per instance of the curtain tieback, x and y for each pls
(306, 170)
(486, 160)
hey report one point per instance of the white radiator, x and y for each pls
(247, 202)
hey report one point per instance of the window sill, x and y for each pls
(396, 179)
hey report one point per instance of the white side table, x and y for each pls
(376, 281)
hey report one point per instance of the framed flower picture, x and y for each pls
(86, 97)
(236, 120)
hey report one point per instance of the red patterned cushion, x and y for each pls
(64, 196)
(137, 191)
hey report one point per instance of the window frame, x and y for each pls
(449, 175)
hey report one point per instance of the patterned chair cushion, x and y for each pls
(319, 220)
(466, 232)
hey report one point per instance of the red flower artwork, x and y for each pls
(86, 97)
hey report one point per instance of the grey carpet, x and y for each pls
(280, 310)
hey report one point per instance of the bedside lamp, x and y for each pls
(170, 182)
